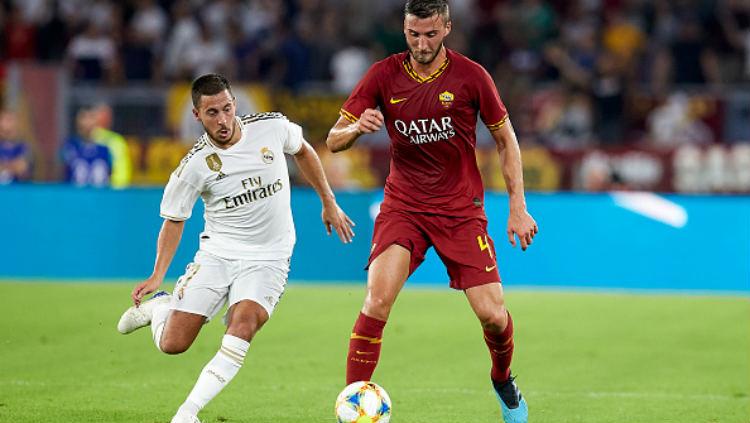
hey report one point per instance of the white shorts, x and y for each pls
(210, 282)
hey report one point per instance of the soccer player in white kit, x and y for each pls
(239, 169)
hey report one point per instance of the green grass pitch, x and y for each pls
(580, 357)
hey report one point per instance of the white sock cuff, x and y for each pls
(234, 342)
(158, 320)
(234, 349)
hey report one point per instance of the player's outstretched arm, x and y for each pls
(344, 133)
(309, 164)
(169, 238)
(520, 222)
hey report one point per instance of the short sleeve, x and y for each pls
(179, 198)
(293, 139)
(364, 96)
(491, 107)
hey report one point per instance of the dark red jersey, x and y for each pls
(432, 126)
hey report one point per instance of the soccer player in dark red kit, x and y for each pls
(428, 98)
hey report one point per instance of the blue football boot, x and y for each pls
(511, 401)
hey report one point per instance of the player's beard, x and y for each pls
(218, 138)
(425, 58)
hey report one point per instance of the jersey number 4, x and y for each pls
(484, 244)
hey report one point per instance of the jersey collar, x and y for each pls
(423, 80)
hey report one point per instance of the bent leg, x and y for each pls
(489, 306)
(175, 331)
(244, 320)
(386, 277)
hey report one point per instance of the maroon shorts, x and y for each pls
(461, 243)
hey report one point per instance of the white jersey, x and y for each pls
(245, 189)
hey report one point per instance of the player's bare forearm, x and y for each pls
(342, 136)
(169, 239)
(510, 159)
(309, 164)
(344, 133)
(333, 217)
(520, 222)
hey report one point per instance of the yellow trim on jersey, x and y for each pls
(366, 338)
(423, 80)
(496, 126)
(348, 116)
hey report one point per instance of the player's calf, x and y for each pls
(178, 332)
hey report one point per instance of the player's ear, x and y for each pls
(195, 113)
(448, 27)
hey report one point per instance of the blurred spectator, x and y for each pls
(567, 121)
(294, 53)
(92, 55)
(734, 18)
(622, 34)
(143, 41)
(15, 157)
(184, 32)
(18, 36)
(605, 83)
(86, 163)
(348, 66)
(389, 33)
(206, 54)
(675, 123)
(52, 37)
(689, 60)
(122, 167)
(574, 74)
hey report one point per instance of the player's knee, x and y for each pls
(244, 329)
(494, 320)
(378, 307)
(172, 347)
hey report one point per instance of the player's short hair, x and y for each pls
(209, 84)
(427, 8)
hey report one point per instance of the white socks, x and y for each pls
(217, 373)
(158, 319)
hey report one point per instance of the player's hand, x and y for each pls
(144, 288)
(521, 224)
(334, 217)
(370, 121)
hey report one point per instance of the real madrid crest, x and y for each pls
(214, 162)
(446, 98)
(267, 155)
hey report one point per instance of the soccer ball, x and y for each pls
(363, 402)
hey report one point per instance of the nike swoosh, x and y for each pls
(397, 100)
(489, 269)
(363, 352)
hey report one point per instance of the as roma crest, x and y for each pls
(446, 98)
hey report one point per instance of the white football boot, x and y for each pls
(138, 317)
(183, 417)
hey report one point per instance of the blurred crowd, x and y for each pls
(595, 45)
(575, 75)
